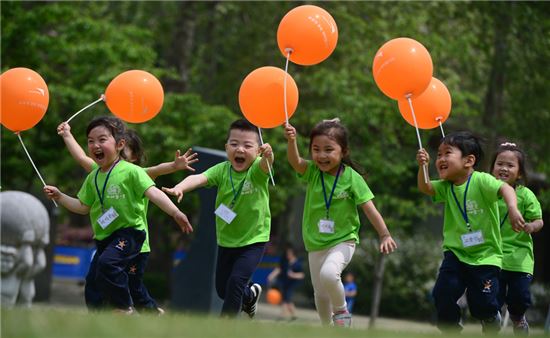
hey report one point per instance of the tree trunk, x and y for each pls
(377, 289)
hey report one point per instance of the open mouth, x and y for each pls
(99, 155)
(240, 160)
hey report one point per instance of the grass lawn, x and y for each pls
(50, 322)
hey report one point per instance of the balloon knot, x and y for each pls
(289, 50)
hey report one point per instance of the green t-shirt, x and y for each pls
(351, 191)
(145, 246)
(253, 221)
(124, 192)
(518, 246)
(482, 211)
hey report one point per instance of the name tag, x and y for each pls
(472, 238)
(326, 226)
(107, 218)
(225, 213)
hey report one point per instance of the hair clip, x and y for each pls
(508, 144)
(335, 120)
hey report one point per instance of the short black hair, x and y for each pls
(113, 124)
(134, 143)
(243, 125)
(468, 143)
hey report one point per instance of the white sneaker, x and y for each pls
(251, 307)
(342, 319)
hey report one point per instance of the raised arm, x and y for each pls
(387, 244)
(267, 157)
(64, 130)
(71, 203)
(165, 204)
(181, 162)
(423, 159)
(188, 184)
(298, 164)
(509, 195)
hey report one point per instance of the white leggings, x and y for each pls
(326, 267)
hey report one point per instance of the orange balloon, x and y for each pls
(402, 66)
(274, 296)
(24, 99)
(310, 32)
(135, 96)
(261, 97)
(430, 107)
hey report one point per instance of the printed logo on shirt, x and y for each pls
(487, 286)
(248, 188)
(133, 269)
(121, 244)
(114, 192)
(472, 208)
(342, 195)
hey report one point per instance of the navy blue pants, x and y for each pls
(481, 282)
(234, 269)
(140, 295)
(107, 279)
(514, 291)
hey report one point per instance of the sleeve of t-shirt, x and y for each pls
(214, 174)
(360, 189)
(533, 210)
(306, 176)
(440, 188)
(141, 181)
(87, 194)
(256, 172)
(490, 186)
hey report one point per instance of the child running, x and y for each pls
(243, 219)
(472, 245)
(113, 195)
(330, 225)
(518, 261)
(133, 153)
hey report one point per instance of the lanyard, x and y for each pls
(235, 193)
(463, 212)
(327, 202)
(503, 219)
(102, 195)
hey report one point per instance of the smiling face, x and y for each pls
(326, 153)
(103, 148)
(451, 165)
(242, 148)
(506, 167)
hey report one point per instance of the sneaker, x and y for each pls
(491, 325)
(521, 327)
(342, 319)
(160, 311)
(251, 307)
(129, 311)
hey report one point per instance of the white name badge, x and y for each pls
(107, 218)
(472, 238)
(225, 213)
(326, 226)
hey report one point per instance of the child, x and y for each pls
(351, 290)
(330, 224)
(243, 219)
(471, 234)
(518, 260)
(133, 152)
(287, 276)
(113, 196)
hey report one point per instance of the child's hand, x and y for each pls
(529, 228)
(52, 192)
(184, 161)
(387, 244)
(64, 129)
(516, 219)
(422, 157)
(174, 192)
(183, 222)
(267, 151)
(290, 132)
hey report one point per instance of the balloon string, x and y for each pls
(268, 166)
(88, 106)
(441, 126)
(424, 167)
(288, 50)
(29, 156)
